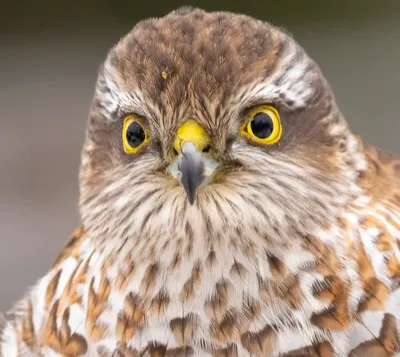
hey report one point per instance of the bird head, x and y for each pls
(213, 122)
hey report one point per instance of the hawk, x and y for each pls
(227, 209)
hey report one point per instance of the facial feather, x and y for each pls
(279, 190)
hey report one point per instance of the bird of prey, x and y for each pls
(227, 209)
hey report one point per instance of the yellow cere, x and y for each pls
(141, 139)
(276, 132)
(192, 131)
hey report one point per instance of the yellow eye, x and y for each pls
(133, 135)
(263, 125)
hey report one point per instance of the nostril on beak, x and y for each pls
(206, 149)
(175, 152)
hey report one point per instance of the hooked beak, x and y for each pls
(192, 167)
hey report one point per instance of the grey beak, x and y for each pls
(191, 167)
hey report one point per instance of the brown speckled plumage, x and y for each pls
(292, 250)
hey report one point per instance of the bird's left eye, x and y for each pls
(134, 136)
(263, 125)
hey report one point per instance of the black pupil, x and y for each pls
(262, 125)
(135, 135)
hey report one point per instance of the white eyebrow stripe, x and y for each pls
(291, 80)
(113, 98)
(290, 83)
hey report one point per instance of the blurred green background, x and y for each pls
(49, 55)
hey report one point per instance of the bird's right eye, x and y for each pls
(134, 136)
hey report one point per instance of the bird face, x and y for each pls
(205, 121)
(193, 167)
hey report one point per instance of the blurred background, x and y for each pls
(49, 55)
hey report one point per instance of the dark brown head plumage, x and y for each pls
(212, 67)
